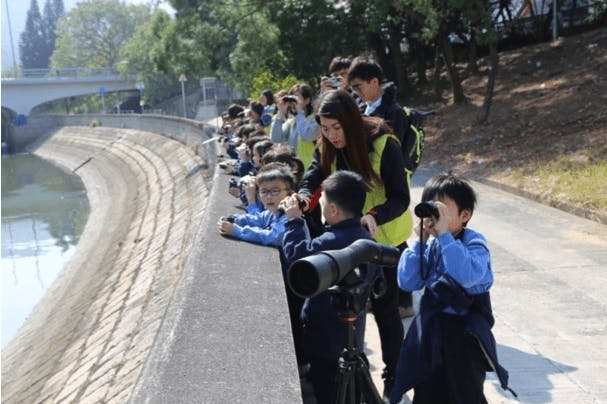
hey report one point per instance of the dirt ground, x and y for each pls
(550, 104)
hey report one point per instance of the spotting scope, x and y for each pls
(312, 275)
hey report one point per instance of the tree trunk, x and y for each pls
(418, 51)
(400, 71)
(456, 82)
(493, 64)
(472, 55)
(437, 69)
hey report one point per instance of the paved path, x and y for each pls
(549, 299)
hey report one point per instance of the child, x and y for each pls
(449, 345)
(324, 334)
(274, 183)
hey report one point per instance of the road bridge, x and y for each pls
(36, 86)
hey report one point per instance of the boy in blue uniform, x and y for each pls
(449, 346)
(324, 334)
(274, 182)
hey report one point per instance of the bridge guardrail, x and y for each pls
(70, 72)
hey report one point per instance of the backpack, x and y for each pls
(414, 138)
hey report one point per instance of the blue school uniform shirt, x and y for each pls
(466, 260)
(260, 227)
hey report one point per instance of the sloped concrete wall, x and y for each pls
(154, 306)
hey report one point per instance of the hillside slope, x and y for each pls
(549, 114)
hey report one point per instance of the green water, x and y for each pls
(44, 210)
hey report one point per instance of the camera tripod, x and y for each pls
(353, 382)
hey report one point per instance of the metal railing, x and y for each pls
(65, 72)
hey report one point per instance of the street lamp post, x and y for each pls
(140, 86)
(182, 80)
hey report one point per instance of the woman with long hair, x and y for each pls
(366, 145)
(301, 130)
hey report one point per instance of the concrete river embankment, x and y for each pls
(154, 306)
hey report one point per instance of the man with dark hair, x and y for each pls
(366, 78)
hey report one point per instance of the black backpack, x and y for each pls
(414, 138)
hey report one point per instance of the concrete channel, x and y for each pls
(155, 306)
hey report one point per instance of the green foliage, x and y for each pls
(31, 42)
(92, 34)
(53, 11)
(304, 39)
(255, 53)
(267, 80)
(141, 52)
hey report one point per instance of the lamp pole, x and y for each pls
(10, 34)
(182, 80)
(140, 86)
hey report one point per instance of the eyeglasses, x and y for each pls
(272, 192)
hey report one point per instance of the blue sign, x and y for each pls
(101, 90)
(19, 120)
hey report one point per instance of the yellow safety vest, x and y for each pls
(396, 231)
(305, 148)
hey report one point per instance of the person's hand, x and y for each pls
(325, 84)
(243, 152)
(234, 191)
(369, 222)
(228, 166)
(300, 105)
(427, 230)
(225, 227)
(290, 204)
(304, 200)
(250, 188)
(281, 109)
(441, 225)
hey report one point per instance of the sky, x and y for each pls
(17, 10)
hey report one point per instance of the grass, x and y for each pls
(565, 180)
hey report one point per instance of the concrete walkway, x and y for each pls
(549, 299)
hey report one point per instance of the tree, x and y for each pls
(232, 40)
(484, 28)
(53, 11)
(140, 53)
(32, 41)
(92, 34)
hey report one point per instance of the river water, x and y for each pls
(44, 210)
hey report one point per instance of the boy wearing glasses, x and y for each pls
(266, 227)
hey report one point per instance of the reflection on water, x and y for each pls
(44, 210)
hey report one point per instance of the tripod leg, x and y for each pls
(345, 388)
(368, 390)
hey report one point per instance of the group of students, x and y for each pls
(342, 177)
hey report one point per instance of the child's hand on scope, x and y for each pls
(291, 207)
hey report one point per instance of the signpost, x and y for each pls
(182, 80)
